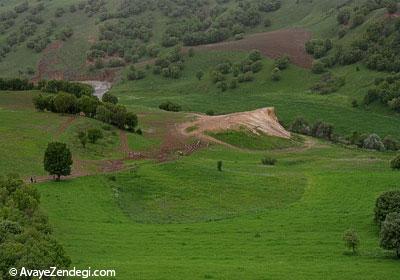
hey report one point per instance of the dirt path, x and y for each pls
(65, 125)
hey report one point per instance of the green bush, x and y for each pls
(386, 203)
(268, 161)
(94, 135)
(395, 163)
(169, 106)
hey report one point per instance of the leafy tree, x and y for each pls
(82, 136)
(282, 62)
(65, 103)
(108, 97)
(390, 233)
(386, 203)
(88, 105)
(131, 121)
(169, 106)
(255, 55)
(58, 159)
(391, 143)
(395, 163)
(300, 125)
(40, 102)
(392, 7)
(373, 142)
(318, 67)
(94, 134)
(276, 74)
(343, 16)
(351, 240)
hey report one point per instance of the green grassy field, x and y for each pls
(175, 220)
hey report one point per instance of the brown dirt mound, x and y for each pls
(258, 121)
(271, 44)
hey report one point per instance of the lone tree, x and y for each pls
(395, 163)
(351, 240)
(57, 159)
(390, 233)
(219, 165)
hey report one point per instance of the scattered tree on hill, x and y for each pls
(276, 74)
(390, 233)
(58, 159)
(351, 240)
(83, 138)
(255, 55)
(94, 134)
(373, 142)
(318, 67)
(343, 16)
(386, 203)
(282, 62)
(65, 103)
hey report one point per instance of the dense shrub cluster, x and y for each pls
(319, 129)
(55, 86)
(386, 203)
(73, 98)
(328, 83)
(25, 235)
(386, 91)
(15, 84)
(170, 106)
(373, 141)
(170, 64)
(318, 48)
(241, 72)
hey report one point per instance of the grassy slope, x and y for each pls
(299, 240)
(290, 96)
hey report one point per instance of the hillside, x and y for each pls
(201, 139)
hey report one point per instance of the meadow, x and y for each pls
(186, 220)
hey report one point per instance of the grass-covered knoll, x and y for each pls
(291, 96)
(248, 140)
(333, 189)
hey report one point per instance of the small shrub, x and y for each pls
(395, 163)
(276, 74)
(169, 106)
(351, 240)
(373, 142)
(219, 165)
(268, 161)
(94, 135)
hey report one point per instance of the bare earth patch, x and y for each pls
(258, 121)
(271, 44)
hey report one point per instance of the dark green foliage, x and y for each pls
(269, 5)
(25, 235)
(254, 55)
(88, 105)
(94, 135)
(108, 97)
(390, 233)
(223, 86)
(169, 106)
(267, 22)
(318, 67)
(15, 84)
(387, 91)
(57, 159)
(135, 74)
(54, 86)
(318, 48)
(387, 202)
(65, 103)
(392, 7)
(219, 165)
(116, 115)
(351, 240)
(395, 163)
(276, 74)
(268, 161)
(391, 143)
(282, 62)
(83, 138)
(328, 84)
(301, 126)
(322, 130)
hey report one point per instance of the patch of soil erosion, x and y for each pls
(272, 44)
(258, 121)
